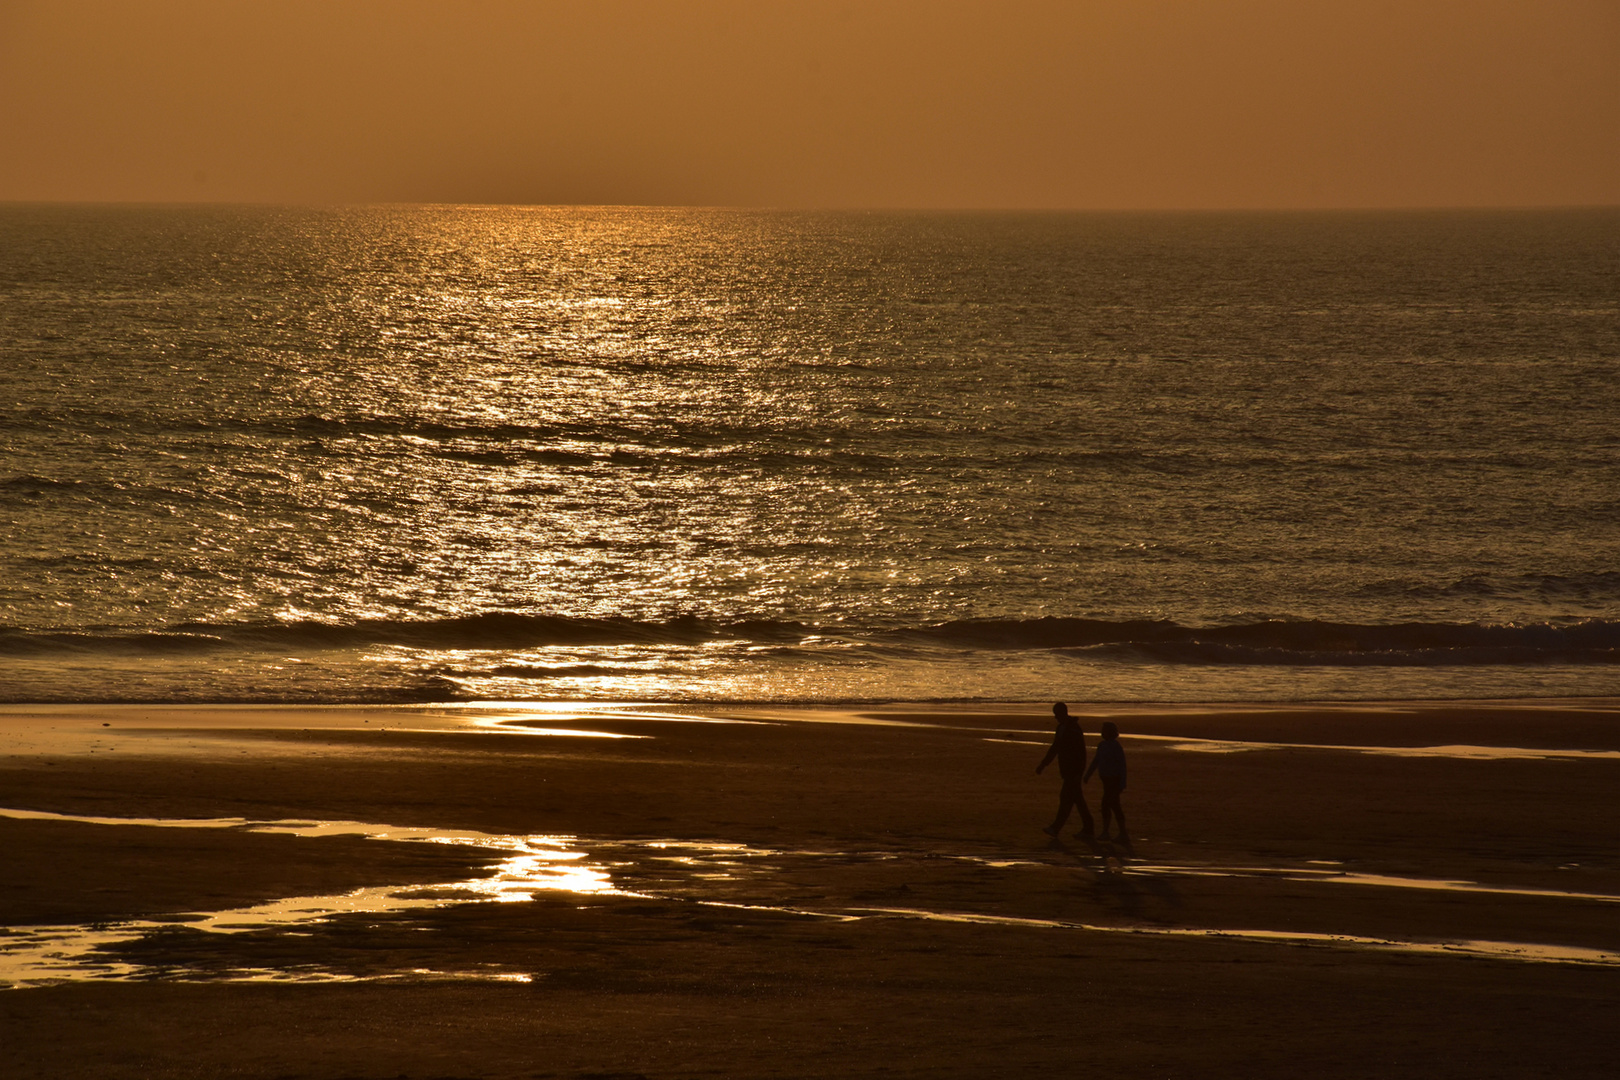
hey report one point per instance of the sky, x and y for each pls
(1017, 104)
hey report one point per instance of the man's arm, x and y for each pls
(1050, 754)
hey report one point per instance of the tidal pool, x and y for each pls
(522, 866)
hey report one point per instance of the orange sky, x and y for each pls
(912, 103)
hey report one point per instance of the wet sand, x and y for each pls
(1411, 890)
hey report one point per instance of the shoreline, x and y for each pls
(801, 703)
(1556, 719)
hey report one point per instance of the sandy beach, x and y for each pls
(525, 891)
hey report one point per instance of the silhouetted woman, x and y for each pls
(1109, 763)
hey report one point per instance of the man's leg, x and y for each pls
(1087, 826)
(1073, 795)
(1062, 812)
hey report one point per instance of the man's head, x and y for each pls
(1110, 730)
(1060, 710)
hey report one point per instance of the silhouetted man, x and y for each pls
(1069, 747)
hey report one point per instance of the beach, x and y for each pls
(1400, 888)
(544, 541)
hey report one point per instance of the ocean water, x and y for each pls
(438, 453)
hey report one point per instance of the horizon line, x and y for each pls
(876, 208)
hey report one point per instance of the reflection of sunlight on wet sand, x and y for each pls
(1456, 751)
(730, 856)
(521, 727)
(1459, 751)
(541, 717)
(526, 865)
(45, 954)
(1500, 950)
(1384, 881)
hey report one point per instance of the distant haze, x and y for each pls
(1110, 105)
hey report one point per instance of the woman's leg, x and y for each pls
(1110, 806)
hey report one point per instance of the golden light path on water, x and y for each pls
(523, 866)
(457, 453)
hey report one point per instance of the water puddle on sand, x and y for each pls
(1459, 751)
(1501, 950)
(525, 865)
(1465, 752)
(541, 718)
(1351, 877)
(36, 955)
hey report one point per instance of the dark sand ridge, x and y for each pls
(931, 810)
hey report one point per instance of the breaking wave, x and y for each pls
(1275, 642)
(1302, 642)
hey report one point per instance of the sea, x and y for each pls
(485, 453)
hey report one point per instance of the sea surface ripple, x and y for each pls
(422, 453)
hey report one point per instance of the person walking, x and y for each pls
(1069, 748)
(1109, 763)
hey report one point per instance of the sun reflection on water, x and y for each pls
(523, 866)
